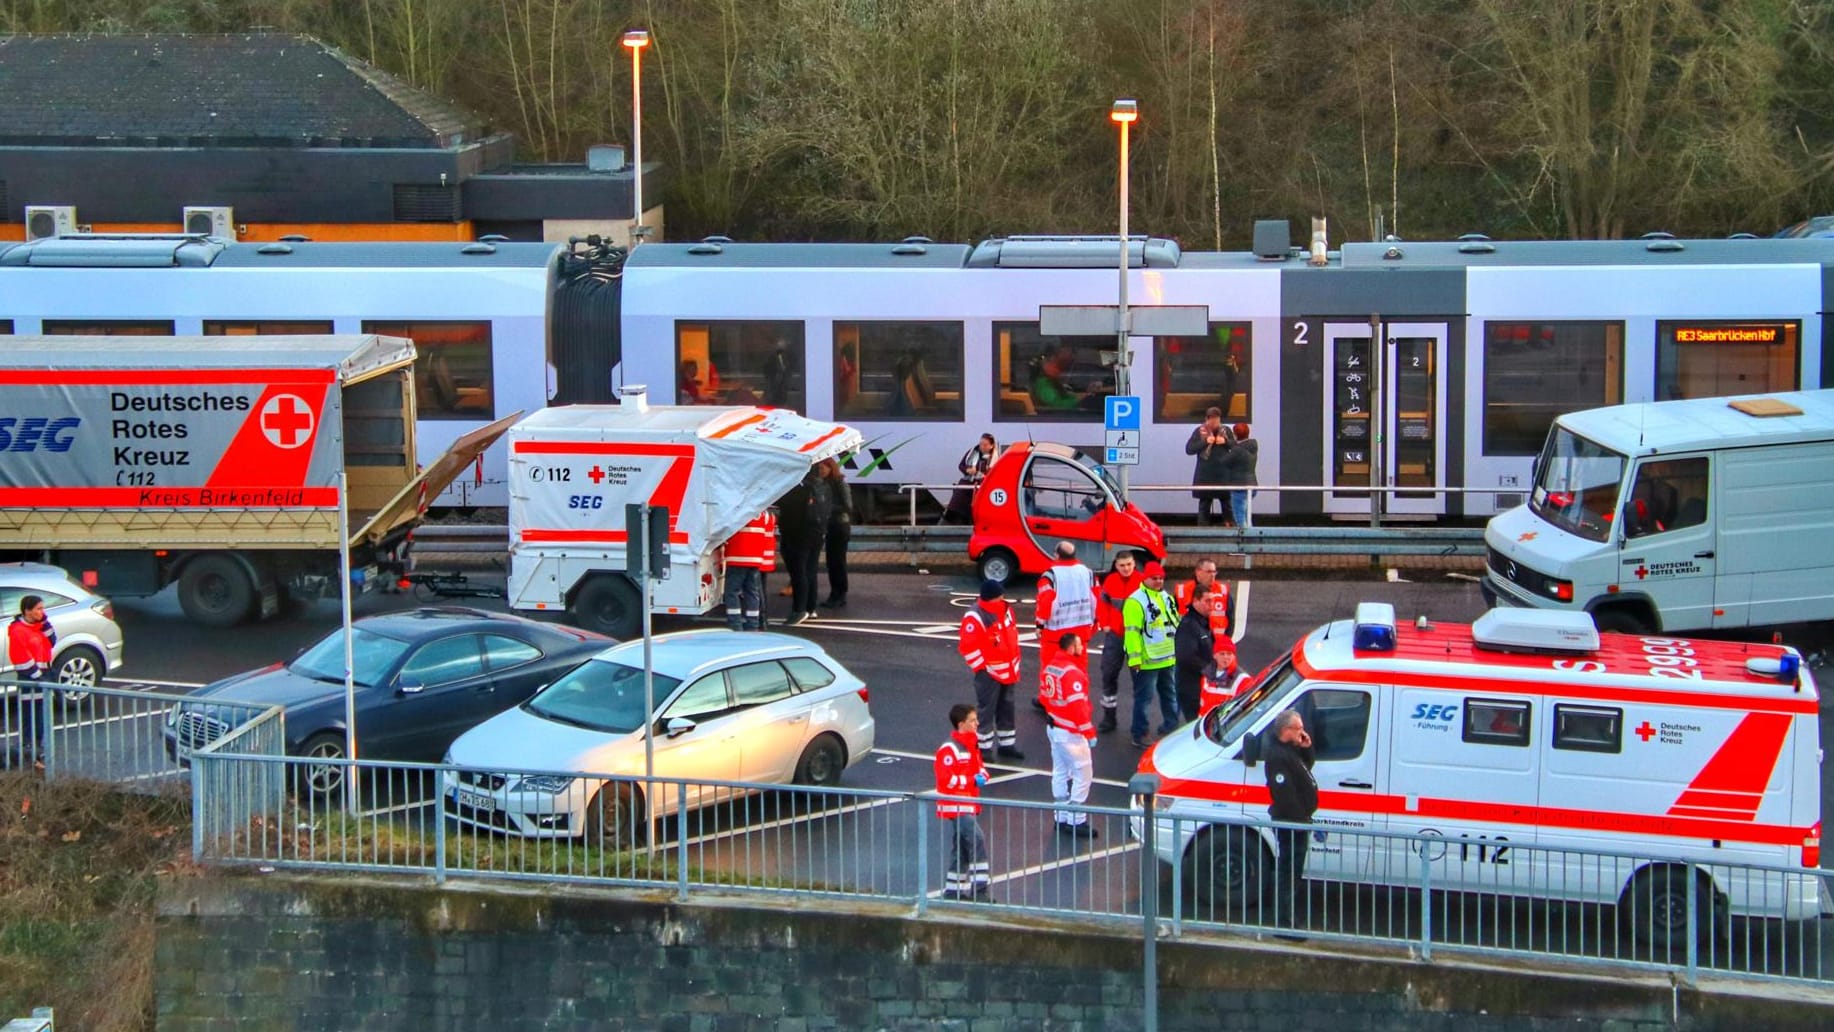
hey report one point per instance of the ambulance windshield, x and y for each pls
(1225, 724)
(1577, 485)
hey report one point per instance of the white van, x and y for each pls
(1507, 741)
(1677, 516)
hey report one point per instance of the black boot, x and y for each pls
(1108, 722)
(835, 602)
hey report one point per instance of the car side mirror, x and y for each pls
(409, 686)
(675, 727)
(1251, 749)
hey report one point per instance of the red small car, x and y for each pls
(1039, 494)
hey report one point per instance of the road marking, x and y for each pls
(1240, 629)
(931, 758)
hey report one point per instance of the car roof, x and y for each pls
(686, 655)
(438, 621)
(40, 575)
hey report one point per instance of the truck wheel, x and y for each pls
(997, 564)
(216, 591)
(609, 604)
(1620, 620)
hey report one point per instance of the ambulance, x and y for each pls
(1483, 751)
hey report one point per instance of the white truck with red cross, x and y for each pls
(1525, 754)
(714, 468)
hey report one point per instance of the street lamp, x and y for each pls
(1123, 113)
(636, 40)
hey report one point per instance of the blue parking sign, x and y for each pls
(1121, 412)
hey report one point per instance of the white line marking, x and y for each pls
(1045, 868)
(1240, 629)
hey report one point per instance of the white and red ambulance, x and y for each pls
(1524, 754)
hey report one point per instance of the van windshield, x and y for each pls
(1225, 724)
(1576, 487)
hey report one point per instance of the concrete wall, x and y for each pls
(345, 953)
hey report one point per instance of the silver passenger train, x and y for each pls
(925, 346)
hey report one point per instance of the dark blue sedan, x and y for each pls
(422, 678)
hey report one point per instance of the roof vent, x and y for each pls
(917, 240)
(910, 249)
(296, 238)
(716, 239)
(479, 248)
(1476, 247)
(1393, 254)
(635, 395)
(1660, 234)
(1660, 245)
(605, 157)
(493, 238)
(274, 249)
(1473, 238)
(706, 248)
(1273, 240)
(1742, 236)
(1535, 630)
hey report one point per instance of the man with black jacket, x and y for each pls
(1294, 793)
(802, 517)
(1194, 651)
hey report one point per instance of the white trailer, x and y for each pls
(573, 469)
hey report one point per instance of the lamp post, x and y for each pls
(1123, 113)
(636, 40)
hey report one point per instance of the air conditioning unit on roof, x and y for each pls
(211, 221)
(49, 220)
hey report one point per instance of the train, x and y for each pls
(1431, 370)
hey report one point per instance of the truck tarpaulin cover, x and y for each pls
(94, 425)
(573, 469)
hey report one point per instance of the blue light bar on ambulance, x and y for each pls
(1782, 668)
(1375, 627)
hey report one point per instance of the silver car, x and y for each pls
(88, 639)
(729, 707)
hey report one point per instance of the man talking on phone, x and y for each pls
(1294, 793)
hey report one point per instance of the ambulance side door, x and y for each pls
(1466, 769)
(1345, 724)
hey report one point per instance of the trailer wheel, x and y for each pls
(216, 591)
(609, 603)
(997, 564)
(1620, 619)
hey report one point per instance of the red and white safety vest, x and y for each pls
(957, 763)
(1066, 597)
(1064, 690)
(990, 641)
(755, 545)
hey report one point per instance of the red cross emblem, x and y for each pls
(286, 421)
(596, 474)
(1645, 732)
(1528, 535)
(1642, 572)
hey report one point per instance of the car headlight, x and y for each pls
(545, 783)
(172, 717)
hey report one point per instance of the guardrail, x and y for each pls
(1421, 894)
(123, 735)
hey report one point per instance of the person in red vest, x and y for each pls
(1216, 603)
(1123, 580)
(750, 554)
(1066, 601)
(1072, 734)
(990, 646)
(31, 646)
(959, 777)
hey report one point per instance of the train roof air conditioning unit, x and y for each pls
(219, 221)
(49, 220)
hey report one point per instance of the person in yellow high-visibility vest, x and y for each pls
(1149, 619)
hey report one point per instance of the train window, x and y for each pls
(263, 327)
(1050, 379)
(452, 376)
(740, 363)
(898, 370)
(1706, 360)
(108, 327)
(1668, 494)
(1534, 371)
(1192, 374)
(6, 327)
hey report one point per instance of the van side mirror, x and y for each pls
(1251, 749)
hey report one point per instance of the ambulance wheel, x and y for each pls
(1656, 908)
(1620, 620)
(609, 604)
(216, 591)
(997, 564)
(1230, 873)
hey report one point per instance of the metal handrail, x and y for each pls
(912, 489)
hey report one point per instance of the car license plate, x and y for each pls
(474, 800)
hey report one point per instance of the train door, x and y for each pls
(1401, 425)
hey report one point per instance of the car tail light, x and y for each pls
(1811, 847)
(865, 696)
(105, 607)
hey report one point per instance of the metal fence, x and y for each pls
(1422, 894)
(127, 736)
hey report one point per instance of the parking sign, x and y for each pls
(1121, 412)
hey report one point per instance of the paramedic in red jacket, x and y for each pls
(990, 646)
(750, 554)
(1072, 734)
(959, 777)
(1066, 601)
(31, 644)
(1123, 580)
